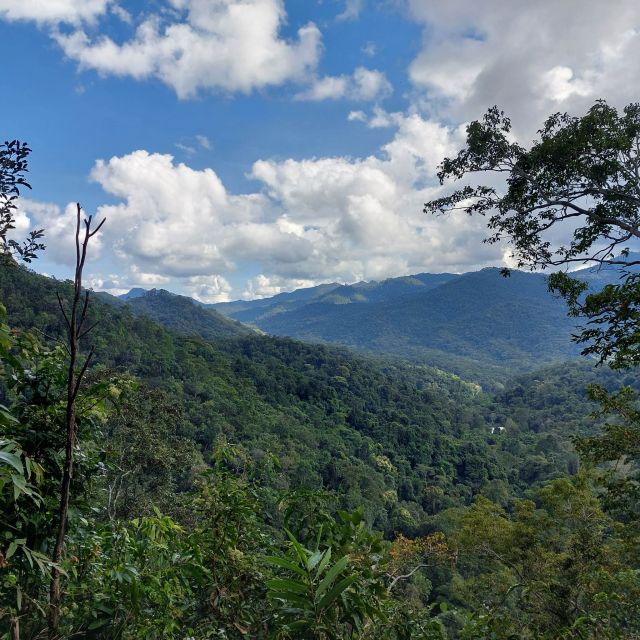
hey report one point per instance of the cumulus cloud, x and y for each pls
(333, 218)
(171, 215)
(363, 85)
(531, 59)
(230, 45)
(315, 220)
(363, 217)
(55, 11)
(208, 289)
(59, 224)
(263, 286)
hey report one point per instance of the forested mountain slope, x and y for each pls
(254, 311)
(382, 434)
(512, 321)
(463, 322)
(249, 310)
(184, 315)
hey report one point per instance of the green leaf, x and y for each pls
(19, 486)
(332, 574)
(299, 549)
(13, 460)
(336, 591)
(312, 562)
(11, 550)
(286, 564)
(6, 417)
(324, 562)
(284, 585)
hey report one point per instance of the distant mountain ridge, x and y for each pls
(478, 317)
(513, 322)
(183, 314)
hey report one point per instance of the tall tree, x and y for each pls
(581, 180)
(75, 318)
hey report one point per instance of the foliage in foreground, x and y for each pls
(232, 558)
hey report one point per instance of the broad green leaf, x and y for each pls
(332, 574)
(13, 460)
(285, 564)
(336, 591)
(324, 562)
(6, 417)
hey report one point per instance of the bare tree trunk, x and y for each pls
(15, 628)
(75, 326)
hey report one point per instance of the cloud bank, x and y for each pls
(231, 45)
(313, 220)
(331, 218)
(531, 59)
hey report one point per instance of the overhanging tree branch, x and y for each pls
(585, 170)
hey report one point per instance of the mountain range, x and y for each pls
(474, 324)
(376, 430)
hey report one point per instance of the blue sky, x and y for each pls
(244, 147)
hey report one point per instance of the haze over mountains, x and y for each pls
(457, 322)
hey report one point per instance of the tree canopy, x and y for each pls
(579, 180)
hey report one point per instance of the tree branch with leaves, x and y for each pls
(13, 167)
(580, 179)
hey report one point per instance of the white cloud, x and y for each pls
(263, 286)
(54, 11)
(112, 283)
(118, 283)
(531, 59)
(203, 141)
(59, 225)
(357, 116)
(185, 148)
(363, 85)
(121, 13)
(230, 45)
(379, 119)
(560, 84)
(370, 49)
(352, 10)
(370, 84)
(171, 215)
(146, 279)
(208, 289)
(327, 88)
(316, 220)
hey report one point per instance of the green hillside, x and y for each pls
(512, 322)
(335, 420)
(185, 316)
(239, 436)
